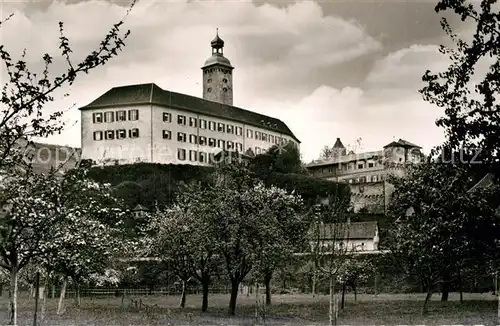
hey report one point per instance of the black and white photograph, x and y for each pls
(249, 162)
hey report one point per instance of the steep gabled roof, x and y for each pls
(486, 181)
(338, 144)
(153, 94)
(402, 143)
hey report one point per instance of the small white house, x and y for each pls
(355, 236)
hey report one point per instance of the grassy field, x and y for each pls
(477, 309)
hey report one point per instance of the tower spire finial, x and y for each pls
(217, 31)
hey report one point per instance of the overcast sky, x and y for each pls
(328, 69)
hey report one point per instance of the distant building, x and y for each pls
(144, 123)
(354, 236)
(367, 172)
(140, 211)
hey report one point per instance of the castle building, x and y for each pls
(367, 172)
(144, 123)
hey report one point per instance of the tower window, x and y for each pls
(212, 142)
(167, 117)
(209, 90)
(192, 139)
(224, 89)
(230, 129)
(239, 131)
(202, 140)
(224, 80)
(110, 134)
(221, 143)
(203, 124)
(221, 127)
(209, 80)
(167, 134)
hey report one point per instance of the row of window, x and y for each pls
(116, 134)
(204, 141)
(374, 178)
(133, 115)
(223, 128)
(112, 116)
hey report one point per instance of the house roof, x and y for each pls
(486, 181)
(44, 157)
(341, 231)
(402, 143)
(347, 158)
(139, 208)
(153, 94)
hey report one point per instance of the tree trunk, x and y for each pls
(37, 298)
(314, 285)
(183, 295)
(44, 300)
(13, 296)
(61, 297)
(355, 292)
(460, 286)
(205, 287)
(78, 298)
(332, 310)
(234, 294)
(445, 287)
(427, 299)
(267, 281)
(257, 302)
(343, 297)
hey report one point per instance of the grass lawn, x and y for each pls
(399, 309)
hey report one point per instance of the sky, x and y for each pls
(328, 69)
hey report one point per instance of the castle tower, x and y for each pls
(338, 149)
(218, 75)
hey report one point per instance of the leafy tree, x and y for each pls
(469, 100)
(57, 222)
(330, 247)
(280, 159)
(285, 210)
(185, 239)
(26, 92)
(353, 272)
(247, 229)
(438, 224)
